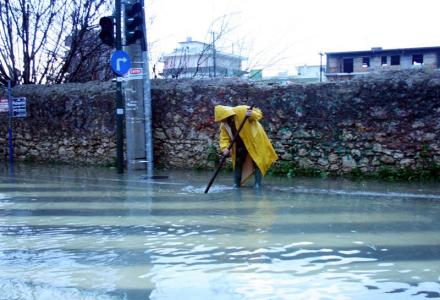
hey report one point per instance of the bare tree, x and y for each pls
(198, 59)
(49, 41)
(219, 28)
(179, 61)
(244, 46)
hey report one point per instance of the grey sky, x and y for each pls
(279, 35)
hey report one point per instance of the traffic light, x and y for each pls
(107, 31)
(134, 21)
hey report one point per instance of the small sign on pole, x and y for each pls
(135, 73)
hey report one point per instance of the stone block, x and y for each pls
(348, 162)
(333, 158)
(377, 147)
(323, 162)
(364, 162)
(356, 153)
(386, 159)
(302, 152)
(427, 137)
(305, 163)
(334, 167)
(398, 155)
(407, 162)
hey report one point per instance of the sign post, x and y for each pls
(120, 113)
(120, 63)
(15, 108)
(11, 147)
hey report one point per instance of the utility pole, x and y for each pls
(214, 54)
(320, 66)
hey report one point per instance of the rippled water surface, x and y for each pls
(71, 233)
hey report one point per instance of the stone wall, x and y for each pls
(389, 119)
(68, 123)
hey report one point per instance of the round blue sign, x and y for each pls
(120, 62)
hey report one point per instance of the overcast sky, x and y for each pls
(278, 35)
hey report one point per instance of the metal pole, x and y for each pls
(147, 100)
(134, 103)
(214, 54)
(10, 113)
(320, 67)
(119, 99)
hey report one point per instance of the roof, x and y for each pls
(217, 53)
(380, 51)
(196, 51)
(193, 42)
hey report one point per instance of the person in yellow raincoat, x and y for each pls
(252, 152)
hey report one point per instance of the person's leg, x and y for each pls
(239, 161)
(237, 177)
(258, 177)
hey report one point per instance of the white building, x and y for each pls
(197, 59)
(311, 72)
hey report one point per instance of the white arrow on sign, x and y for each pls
(118, 61)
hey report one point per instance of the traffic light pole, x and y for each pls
(133, 88)
(119, 99)
(147, 101)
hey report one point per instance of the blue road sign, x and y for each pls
(19, 107)
(120, 62)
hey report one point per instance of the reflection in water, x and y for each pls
(92, 234)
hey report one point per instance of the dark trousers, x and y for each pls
(239, 161)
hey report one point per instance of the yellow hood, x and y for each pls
(222, 112)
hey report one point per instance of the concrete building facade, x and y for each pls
(195, 59)
(312, 73)
(346, 65)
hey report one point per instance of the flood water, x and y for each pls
(86, 233)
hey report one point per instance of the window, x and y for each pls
(395, 60)
(417, 59)
(348, 65)
(365, 62)
(384, 61)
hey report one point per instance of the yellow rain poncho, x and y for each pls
(254, 137)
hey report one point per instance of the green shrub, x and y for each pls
(213, 154)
